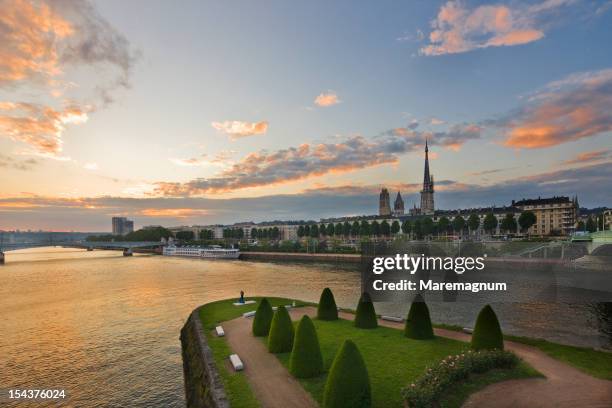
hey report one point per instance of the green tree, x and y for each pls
(348, 382)
(327, 309)
(473, 222)
(580, 226)
(314, 231)
(459, 224)
(254, 232)
(406, 227)
(526, 220)
(417, 228)
(395, 227)
(487, 332)
(443, 224)
(331, 230)
(263, 318)
(490, 223)
(427, 226)
(364, 229)
(346, 228)
(508, 224)
(355, 229)
(339, 230)
(591, 226)
(306, 360)
(185, 235)
(365, 317)
(375, 228)
(281, 335)
(323, 230)
(418, 323)
(385, 228)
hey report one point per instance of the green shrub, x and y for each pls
(327, 309)
(280, 339)
(426, 391)
(418, 322)
(348, 383)
(365, 317)
(306, 360)
(263, 318)
(487, 333)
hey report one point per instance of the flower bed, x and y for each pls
(430, 388)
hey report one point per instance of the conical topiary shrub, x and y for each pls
(348, 383)
(306, 360)
(263, 318)
(487, 332)
(365, 318)
(418, 322)
(327, 309)
(280, 339)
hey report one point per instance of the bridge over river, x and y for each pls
(127, 247)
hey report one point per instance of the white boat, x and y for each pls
(211, 252)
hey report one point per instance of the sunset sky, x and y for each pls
(198, 112)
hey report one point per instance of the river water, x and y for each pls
(106, 327)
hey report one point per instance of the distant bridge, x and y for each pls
(126, 247)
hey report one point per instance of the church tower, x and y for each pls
(427, 194)
(398, 205)
(384, 203)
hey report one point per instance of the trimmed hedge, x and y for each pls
(348, 383)
(306, 360)
(327, 309)
(487, 332)
(427, 391)
(263, 318)
(418, 322)
(280, 339)
(365, 317)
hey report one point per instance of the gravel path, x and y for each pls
(564, 386)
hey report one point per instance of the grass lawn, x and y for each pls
(393, 361)
(236, 385)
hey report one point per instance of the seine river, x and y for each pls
(106, 328)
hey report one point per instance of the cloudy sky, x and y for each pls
(205, 111)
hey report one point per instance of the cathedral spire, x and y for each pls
(426, 176)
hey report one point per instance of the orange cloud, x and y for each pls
(30, 49)
(577, 107)
(326, 99)
(237, 129)
(173, 212)
(590, 157)
(38, 126)
(457, 29)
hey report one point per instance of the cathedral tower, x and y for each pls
(427, 194)
(384, 203)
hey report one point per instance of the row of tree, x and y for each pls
(420, 227)
(148, 234)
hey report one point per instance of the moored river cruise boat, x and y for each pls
(211, 252)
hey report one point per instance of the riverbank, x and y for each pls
(301, 257)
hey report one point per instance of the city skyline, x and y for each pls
(249, 113)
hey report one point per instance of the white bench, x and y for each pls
(392, 318)
(468, 330)
(249, 314)
(286, 307)
(220, 331)
(236, 362)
